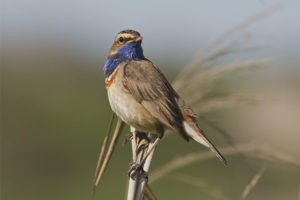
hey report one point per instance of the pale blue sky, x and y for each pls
(174, 29)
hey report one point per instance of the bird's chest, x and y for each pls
(126, 107)
(121, 102)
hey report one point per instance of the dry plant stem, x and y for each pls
(118, 130)
(225, 102)
(252, 183)
(133, 143)
(197, 182)
(250, 149)
(299, 189)
(149, 193)
(143, 149)
(241, 26)
(132, 181)
(146, 166)
(103, 148)
(218, 42)
(137, 155)
(208, 77)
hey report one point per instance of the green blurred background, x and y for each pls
(55, 112)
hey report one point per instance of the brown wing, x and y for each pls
(150, 88)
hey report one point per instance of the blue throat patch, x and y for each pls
(131, 51)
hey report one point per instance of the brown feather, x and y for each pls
(149, 87)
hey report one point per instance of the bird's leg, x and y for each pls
(141, 163)
(139, 166)
(145, 165)
(143, 136)
(140, 135)
(141, 144)
(150, 150)
(134, 169)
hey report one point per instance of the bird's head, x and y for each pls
(127, 45)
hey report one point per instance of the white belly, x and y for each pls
(130, 111)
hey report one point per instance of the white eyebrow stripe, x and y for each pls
(125, 35)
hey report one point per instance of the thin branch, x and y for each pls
(252, 183)
(149, 193)
(197, 182)
(222, 70)
(143, 147)
(208, 52)
(103, 148)
(243, 25)
(139, 147)
(225, 102)
(228, 138)
(180, 79)
(299, 187)
(258, 151)
(118, 130)
(146, 167)
(132, 180)
(209, 77)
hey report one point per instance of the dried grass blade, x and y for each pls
(250, 149)
(200, 184)
(149, 193)
(117, 132)
(103, 148)
(252, 183)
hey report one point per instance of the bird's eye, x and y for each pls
(121, 39)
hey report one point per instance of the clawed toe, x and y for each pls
(136, 168)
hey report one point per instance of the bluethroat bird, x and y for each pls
(142, 96)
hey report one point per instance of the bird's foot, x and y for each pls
(135, 169)
(142, 136)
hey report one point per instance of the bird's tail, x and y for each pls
(193, 131)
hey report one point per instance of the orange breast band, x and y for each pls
(111, 79)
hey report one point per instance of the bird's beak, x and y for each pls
(138, 39)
